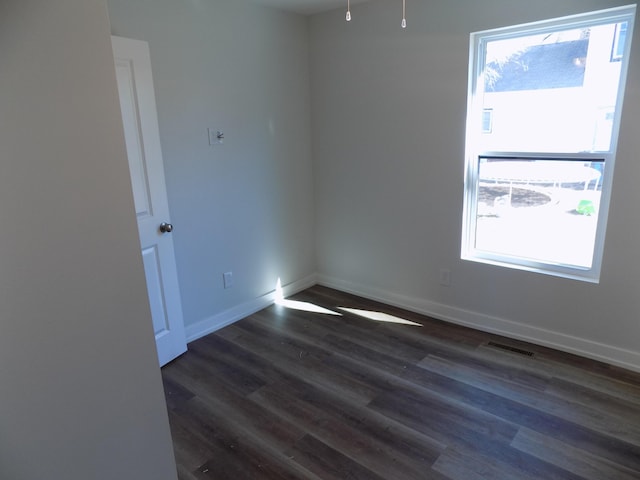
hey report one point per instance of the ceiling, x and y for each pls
(307, 7)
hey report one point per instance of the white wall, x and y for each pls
(81, 395)
(245, 206)
(388, 143)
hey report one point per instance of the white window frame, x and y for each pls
(478, 43)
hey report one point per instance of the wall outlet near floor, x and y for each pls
(227, 279)
(445, 277)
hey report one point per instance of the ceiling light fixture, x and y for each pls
(348, 12)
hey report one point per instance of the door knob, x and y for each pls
(166, 227)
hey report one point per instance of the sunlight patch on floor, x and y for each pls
(298, 305)
(305, 306)
(380, 316)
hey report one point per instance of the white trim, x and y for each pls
(568, 343)
(238, 312)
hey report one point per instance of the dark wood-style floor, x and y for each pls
(291, 394)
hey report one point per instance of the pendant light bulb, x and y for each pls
(404, 23)
(404, 14)
(348, 12)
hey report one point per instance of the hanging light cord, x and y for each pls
(404, 16)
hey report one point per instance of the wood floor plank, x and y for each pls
(377, 441)
(340, 436)
(602, 401)
(243, 439)
(421, 449)
(440, 419)
(293, 394)
(175, 394)
(578, 461)
(230, 352)
(298, 362)
(327, 462)
(596, 380)
(286, 343)
(184, 474)
(469, 465)
(243, 381)
(190, 450)
(606, 422)
(507, 367)
(376, 339)
(486, 437)
(563, 424)
(238, 414)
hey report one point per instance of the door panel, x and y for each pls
(132, 133)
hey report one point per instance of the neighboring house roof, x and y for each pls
(556, 65)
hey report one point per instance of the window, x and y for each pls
(545, 101)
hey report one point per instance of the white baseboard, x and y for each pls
(222, 319)
(568, 343)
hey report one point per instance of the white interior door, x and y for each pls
(139, 116)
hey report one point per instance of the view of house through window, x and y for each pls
(544, 108)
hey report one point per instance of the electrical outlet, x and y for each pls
(445, 277)
(227, 279)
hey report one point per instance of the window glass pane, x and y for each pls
(542, 210)
(618, 45)
(552, 92)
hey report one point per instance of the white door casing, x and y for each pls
(142, 137)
